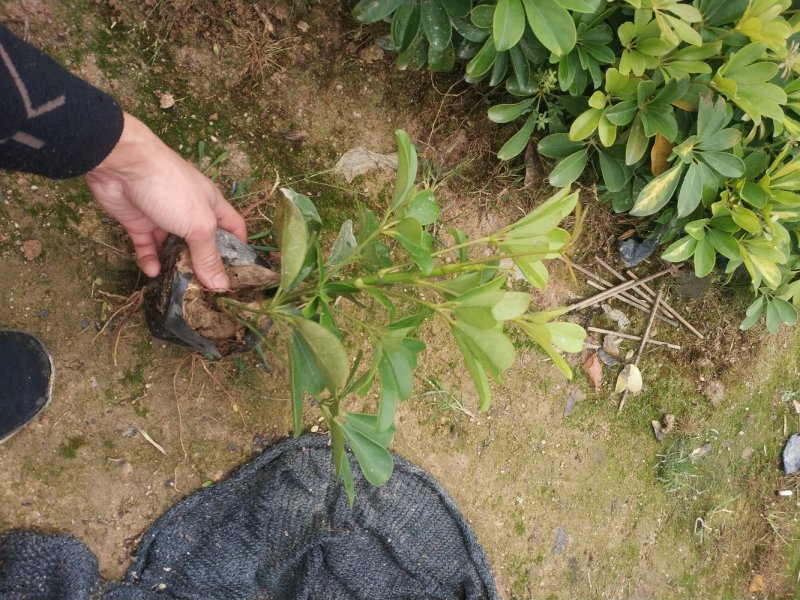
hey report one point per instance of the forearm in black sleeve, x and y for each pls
(51, 122)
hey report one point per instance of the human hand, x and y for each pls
(153, 192)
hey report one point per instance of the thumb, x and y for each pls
(207, 262)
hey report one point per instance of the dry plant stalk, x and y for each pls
(645, 336)
(614, 291)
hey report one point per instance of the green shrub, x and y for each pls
(394, 270)
(688, 111)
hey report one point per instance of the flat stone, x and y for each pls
(791, 454)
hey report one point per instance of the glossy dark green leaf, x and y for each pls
(505, 113)
(416, 54)
(483, 61)
(441, 61)
(469, 32)
(569, 169)
(406, 25)
(499, 69)
(508, 24)
(482, 16)
(436, 24)
(458, 9)
(521, 67)
(558, 145)
(370, 11)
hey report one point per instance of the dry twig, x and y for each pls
(614, 291)
(669, 309)
(645, 336)
(633, 337)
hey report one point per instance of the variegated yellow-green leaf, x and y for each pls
(655, 195)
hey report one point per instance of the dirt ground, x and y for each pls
(568, 502)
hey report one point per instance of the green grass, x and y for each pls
(69, 449)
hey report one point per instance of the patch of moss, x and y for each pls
(69, 449)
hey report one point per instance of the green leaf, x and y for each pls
(458, 9)
(704, 257)
(541, 334)
(558, 145)
(344, 245)
(508, 24)
(637, 142)
(724, 163)
(505, 113)
(370, 11)
(469, 32)
(406, 169)
(482, 62)
(499, 69)
(773, 317)
(680, 250)
(441, 61)
(416, 241)
(436, 24)
(546, 216)
(511, 306)
(552, 25)
(327, 353)
(746, 219)
(294, 238)
(423, 207)
(517, 143)
(787, 312)
(755, 195)
(582, 6)
(615, 175)
(697, 229)
(622, 113)
(304, 376)
(724, 243)
(569, 169)
(477, 373)
(658, 192)
(405, 25)
(374, 459)
(585, 124)
(691, 191)
(493, 350)
(482, 16)
(753, 314)
(569, 337)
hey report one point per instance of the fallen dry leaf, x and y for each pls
(166, 101)
(757, 584)
(594, 370)
(662, 148)
(371, 54)
(630, 378)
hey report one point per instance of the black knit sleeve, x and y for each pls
(51, 122)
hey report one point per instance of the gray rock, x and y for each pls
(791, 454)
(560, 542)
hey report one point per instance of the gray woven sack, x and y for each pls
(278, 528)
